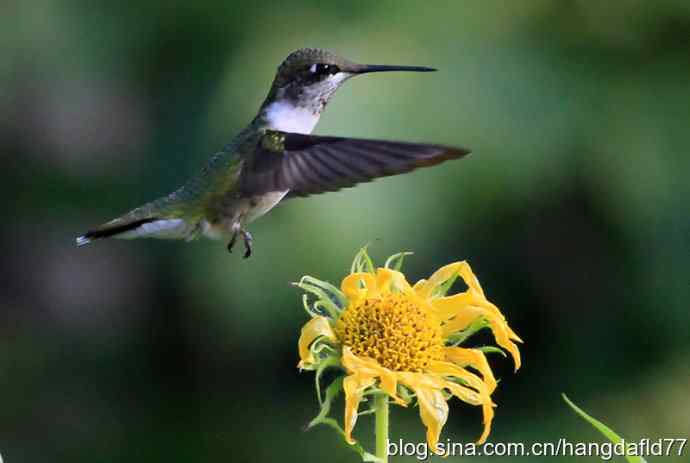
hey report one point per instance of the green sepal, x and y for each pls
(491, 350)
(362, 262)
(323, 300)
(406, 394)
(332, 392)
(443, 289)
(319, 345)
(311, 311)
(395, 261)
(323, 364)
(458, 338)
(609, 433)
(336, 295)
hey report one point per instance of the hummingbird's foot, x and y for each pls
(231, 244)
(247, 237)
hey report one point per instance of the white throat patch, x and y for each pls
(283, 115)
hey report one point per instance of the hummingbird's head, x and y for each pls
(305, 82)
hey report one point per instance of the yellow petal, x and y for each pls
(447, 306)
(433, 409)
(481, 397)
(470, 278)
(490, 312)
(313, 329)
(354, 386)
(450, 306)
(513, 335)
(388, 279)
(425, 288)
(352, 286)
(388, 381)
(498, 326)
(462, 320)
(434, 378)
(486, 403)
(472, 390)
(473, 358)
(488, 412)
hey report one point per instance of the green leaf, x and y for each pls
(395, 261)
(357, 447)
(602, 428)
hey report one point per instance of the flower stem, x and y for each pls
(381, 407)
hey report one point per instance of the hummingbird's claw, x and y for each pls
(231, 244)
(247, 237)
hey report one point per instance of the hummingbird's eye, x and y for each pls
(321, 69)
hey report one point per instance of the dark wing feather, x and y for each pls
(310, 164)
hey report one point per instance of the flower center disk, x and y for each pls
(392, 330)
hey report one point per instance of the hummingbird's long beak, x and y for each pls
(366, 68)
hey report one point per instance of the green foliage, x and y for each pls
(602, 428)
(332, 392)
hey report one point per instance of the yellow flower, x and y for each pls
(403, 340)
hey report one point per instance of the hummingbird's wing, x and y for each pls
(310, 164)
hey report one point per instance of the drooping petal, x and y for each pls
(488, 413)
(450, 305)
(472, 390)
(313, 329)
(498, 326)
(435, 380)
(470, 278)
(353, 386)
(473, 358)
(487, 408)
(478, 307)
(513, 335)
(468, 378)
(388, 381)
(433, 408)
(352, 286)
(482, 396)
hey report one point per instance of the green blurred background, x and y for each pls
(574, 211)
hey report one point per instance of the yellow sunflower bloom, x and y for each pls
(403, 340)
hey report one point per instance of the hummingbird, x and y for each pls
(275, 158)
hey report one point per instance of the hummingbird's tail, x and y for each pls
(112, 230)
(158, 219)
